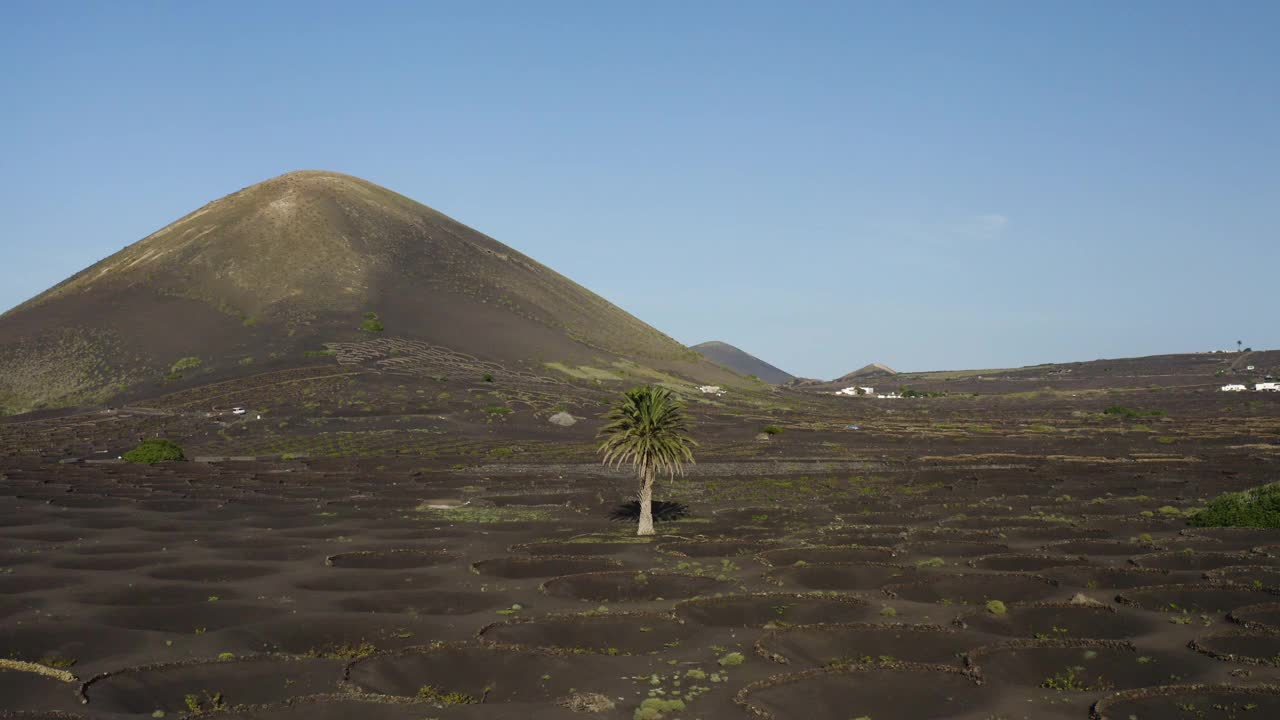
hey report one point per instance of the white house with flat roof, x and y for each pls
(1267, 386)
(1234, 388)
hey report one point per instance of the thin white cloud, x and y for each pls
(992, 224)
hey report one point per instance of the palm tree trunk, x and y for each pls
(646, 502)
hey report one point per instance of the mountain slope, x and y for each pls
(742, 362)
(276, 269)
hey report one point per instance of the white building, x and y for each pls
(1268, 386)
(1234, 388)
(711, 389)
(855, 390)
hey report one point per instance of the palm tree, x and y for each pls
(648, 430)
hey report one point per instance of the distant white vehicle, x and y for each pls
(238, 411)
(1267, 386)
(1248, 367)
(1234, 388)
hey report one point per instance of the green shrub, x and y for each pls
(487, 377)
(996, 607)
(498, 410)
(656, 708)
(155, 450)
(208, 704)
(1256, 507)
(771, 430)
(372, 323)
(732, 659)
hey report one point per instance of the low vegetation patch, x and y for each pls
(186, 363)
(344, 651)
(1256, 507)
(372, 323)
(1073, 680)
(1128, 412)
(907, 392)
(657, 708)
(732, 659)
(155, 450)
(583, 372)
(771, 430)
(433, 694)
(208, 702)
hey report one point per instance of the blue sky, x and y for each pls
(925, 184)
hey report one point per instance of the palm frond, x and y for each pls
(649, 430)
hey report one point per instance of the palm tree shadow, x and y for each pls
(663, 511)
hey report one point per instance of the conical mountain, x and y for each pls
(268, 272)
(742, 362)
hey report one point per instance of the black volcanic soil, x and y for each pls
(412, 567)
(265, 605)
(868, 691)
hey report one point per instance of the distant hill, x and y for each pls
(268, 274)
(867, 372)
(1204, 370)
(742, 362)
